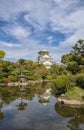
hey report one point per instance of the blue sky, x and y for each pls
(28, 26)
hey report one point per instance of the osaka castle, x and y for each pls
(44, 58)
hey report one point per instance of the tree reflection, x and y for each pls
(1, 113)
(8, 94)
(75, 115)
(22, 105)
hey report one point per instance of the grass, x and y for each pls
(75, 93)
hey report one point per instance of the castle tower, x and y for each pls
(44, 58)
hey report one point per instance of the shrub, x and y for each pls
(65, 81)
(80, 80)
(12, 78)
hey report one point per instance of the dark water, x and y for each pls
(35, 107)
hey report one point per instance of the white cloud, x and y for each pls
(39, 14)
(66, 45)
(63, 4)
(27, 49)
(19, 32)
(11, 45)
(38, 8)
(65, 16)
(68, 23)
(9, 8)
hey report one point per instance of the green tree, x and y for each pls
(29, 69)
(58, 70)
(2, 54)
(66, 58)
(74, 61)
(21, 61)
(78, 48)
(73, 67)
(80, 80)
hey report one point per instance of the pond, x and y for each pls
(34, 107)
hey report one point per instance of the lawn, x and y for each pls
(76, 93)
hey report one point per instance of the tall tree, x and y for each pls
(78, 48)
(75, 59)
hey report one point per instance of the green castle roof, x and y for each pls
(44, 50)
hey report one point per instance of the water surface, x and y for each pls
(34, 107)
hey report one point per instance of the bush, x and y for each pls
(65, 81)
(12, 78)
(80, 80)
(49, 77)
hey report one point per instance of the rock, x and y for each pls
(70, 102)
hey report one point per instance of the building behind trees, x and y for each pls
(44, 58)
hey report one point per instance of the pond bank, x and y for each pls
(70, 103)
(74, 97)
(25, 83)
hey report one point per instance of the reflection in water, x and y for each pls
(1, 113)
(75, 115)
(21, 106)
(44, 98)
(33, 107)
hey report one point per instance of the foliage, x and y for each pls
(80, 80)
(41, 71)
(78, 48)
(73, 64)
(66, 81)
(75, 93)
(11, 71)
(21, 61)
(58, 70)
(66, 58)
(12, 78)
(28, 69)
(73, 67)
(2, 54)
(74, 61)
